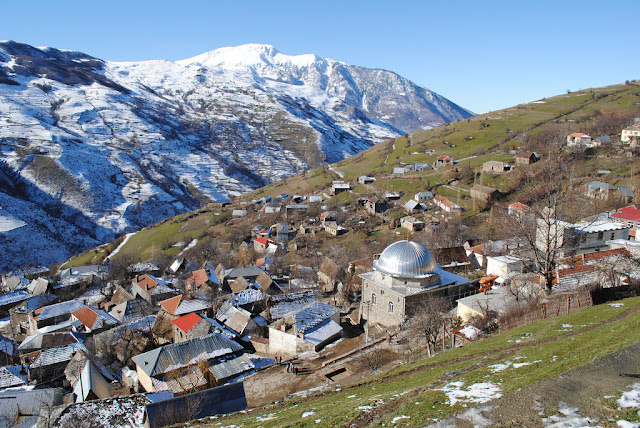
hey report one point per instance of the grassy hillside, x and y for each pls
(415, 393)
(493, 136)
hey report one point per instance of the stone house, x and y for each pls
(329, 275)
(444, 161)
(189, 327)
(339, 187)
(526, 158)
(485, 194)
(363, 179)
(495, 167)
(307, 329)
(411, 223)
(374, 205)
(578, 139)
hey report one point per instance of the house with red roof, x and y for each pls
(444, 161)
(150, 288)
(447, 205)
(629, 216)
(261, 244)
(578, 139)
(518, 210)
(190, 326)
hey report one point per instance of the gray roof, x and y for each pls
(232, 367)
(245, 272)
(601, 185)
(183, 354)
(405, 259)
(59, 309)
(291, 302)
(56, 355)
(312, 315)
(10, 376)
(626, 191)
(13, 297)
(323, 332)
(195, 304)
(39, 301)
(16, 404)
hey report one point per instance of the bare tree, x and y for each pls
(429, 317)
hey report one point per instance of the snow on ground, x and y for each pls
(631, 399)
(124, 241)
(267, 417)
(476, 393)
(616, 305)
(307, 414)
(399, 418)
(9, 222)
(499, 367)
(470, 332)
(569, 417)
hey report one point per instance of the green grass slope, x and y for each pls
(412, 394)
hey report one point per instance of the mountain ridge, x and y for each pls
(129, 144)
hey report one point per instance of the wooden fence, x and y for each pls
(554, 306)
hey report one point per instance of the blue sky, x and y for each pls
(482, 55)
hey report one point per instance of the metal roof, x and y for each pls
(406, 259)
(59, 309)
(312, 315)
(10, 376)
(56, 355)
(230, 368)
(13, 297)
(183, 354)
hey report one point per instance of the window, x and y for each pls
(373, 298)
(612, 235)
(382, 292)
(600, 236)
(391, 307)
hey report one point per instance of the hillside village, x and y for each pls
(276, 294)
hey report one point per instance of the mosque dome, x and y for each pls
(406, 259)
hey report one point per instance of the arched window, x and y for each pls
(373, 298)
(390, 307)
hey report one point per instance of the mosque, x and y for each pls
(404, 274)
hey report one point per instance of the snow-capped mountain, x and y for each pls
(106, 147)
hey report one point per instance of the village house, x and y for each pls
(495, 167)
(413, 207)
(186, 303)
(329, 275)
(578, 238)
(630, 134)
(519, 210)
(485, 194)
(608, 268)
(190, 326)
(19, 314)
(363, 179)
(404, 275)
(328, 217)
(51, 363)
(399, 171)
(309, 328)
(374, 205)
(150, 288)
(93, 320)
(497, 299)
(9, 300)
(444, 161)
(339, 186)
(446, 205)
(420, 167)
(176, 367)
(578, 139)
(629, 216)
(526, 158)
(260, 245)
(504, 267)
(599, 190)
(237, 319)
(204, 280)
(248, 273)
(53, 314)
(412, 224)
(131, 310)
(334, 229)
(424, 196)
